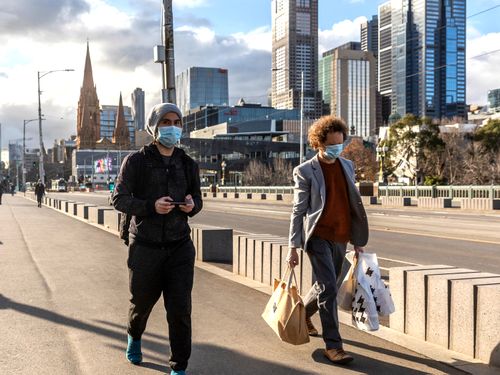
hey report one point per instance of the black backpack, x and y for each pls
(147, 167)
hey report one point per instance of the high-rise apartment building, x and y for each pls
(348, 75)
(294, 54)
(384, 71)
(428, 57)
(138, 112)
(198, 86)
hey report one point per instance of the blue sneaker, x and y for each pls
(180, 372)
(134, 354)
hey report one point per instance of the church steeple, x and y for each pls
(121, 135)
(89, 115)
(88, 79)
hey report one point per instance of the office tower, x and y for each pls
(369, 35)
(294, 52)
(348, 78)
(494, 100)
(198, 86)
(428, 57)
(384, 62)
(109, 114)
(138, 108)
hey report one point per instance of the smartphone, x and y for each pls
(177, 203)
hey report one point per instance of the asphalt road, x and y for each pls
(411, 235)
(63, 304)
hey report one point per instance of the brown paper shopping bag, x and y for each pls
(285, 312)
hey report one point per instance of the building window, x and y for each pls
(303, 3)
(303, 23)
(280, 27)
(281, 69)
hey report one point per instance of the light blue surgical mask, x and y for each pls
(332, 152)
(168, 136)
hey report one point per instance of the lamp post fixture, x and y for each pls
(25, 122)
(223, 166)
(381, 150)
(40, 75)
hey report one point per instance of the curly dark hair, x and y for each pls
(320, 129)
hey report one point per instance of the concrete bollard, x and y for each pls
(278, 254)
(270, 247)
(487, 338)
(306, 277)
(261, 257)
(112, 219)
(83, 210)
(239, 241)
(415, 305)
(463, 313)
(438, 305)
(254, 251)
(214, 244)
(96, 214)
(398, 278)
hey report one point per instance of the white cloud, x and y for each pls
(202, 34)
(482, 72)
(340, 33)
(258, 39)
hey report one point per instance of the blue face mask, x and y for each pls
(168, 136)
(333, 151)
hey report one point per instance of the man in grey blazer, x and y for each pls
(327, 214)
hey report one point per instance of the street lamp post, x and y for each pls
(40, 75)
(223, 166)
(381, 150)
(25, 122)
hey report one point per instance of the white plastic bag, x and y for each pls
(371, 296)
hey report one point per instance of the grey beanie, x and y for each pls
(157, 113)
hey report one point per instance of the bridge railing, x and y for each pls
(470, 191)
(451, 191)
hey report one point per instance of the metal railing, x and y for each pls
(252, 189)
(471, 191)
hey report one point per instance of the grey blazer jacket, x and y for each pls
(309, 200)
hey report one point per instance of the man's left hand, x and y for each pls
(358, 249)
(188, 207)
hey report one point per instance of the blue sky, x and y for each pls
(233, 34)
(229, 16)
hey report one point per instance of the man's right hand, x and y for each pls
(163, 206)
(292, 257)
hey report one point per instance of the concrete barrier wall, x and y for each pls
(441, 304)
(477, 204)
(427, 202)
(395, 201)
(212, 244)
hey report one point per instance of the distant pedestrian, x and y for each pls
(13, 189)
(160, 187)
(39, 192)
(327, 198)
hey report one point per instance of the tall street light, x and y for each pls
(25, 122)
(301, 136)
(40, 75)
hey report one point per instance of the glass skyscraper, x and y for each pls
(108, 121)
(199, 86)
(138, 108)
(428, 57)
(494, 100)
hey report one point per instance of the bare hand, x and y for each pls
(292, 257)
(188, 207)
(163, 206)
(358, 249)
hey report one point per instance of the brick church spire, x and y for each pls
(121, 134)
(89, 115)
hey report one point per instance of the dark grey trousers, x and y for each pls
(326, 260)
(168, 270)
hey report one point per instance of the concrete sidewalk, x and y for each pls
(64, 300)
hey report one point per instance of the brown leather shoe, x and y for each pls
(338, 356)
(310, 328)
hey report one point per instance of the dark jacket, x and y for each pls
(39, 190)
(144, 178)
